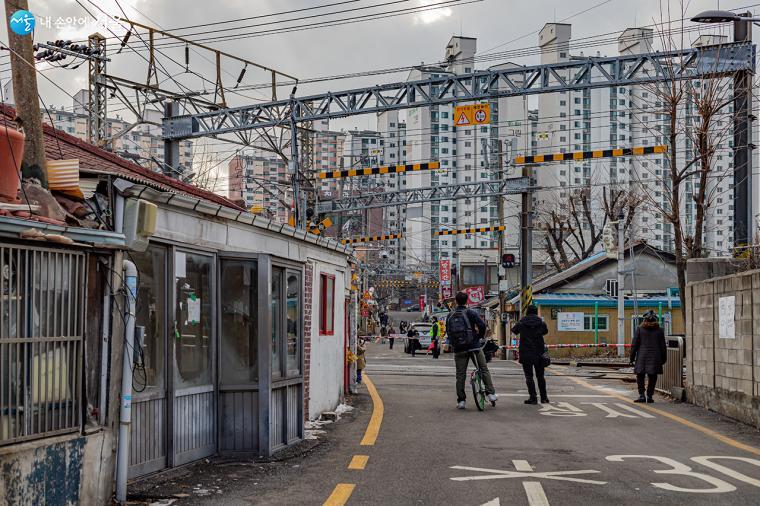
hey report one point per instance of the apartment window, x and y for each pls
(327, 310)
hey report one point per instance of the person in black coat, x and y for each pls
(648, 354)
(532, 330)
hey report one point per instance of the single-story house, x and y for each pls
(579, 304)
(241, 331)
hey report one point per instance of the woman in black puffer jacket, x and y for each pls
(648, 354)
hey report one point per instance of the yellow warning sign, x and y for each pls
(472, 114)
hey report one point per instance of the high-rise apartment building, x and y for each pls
(259, 180)
(143, 144)
(467, 154)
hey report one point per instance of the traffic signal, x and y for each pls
(508, 260)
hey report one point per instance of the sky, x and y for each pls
(499, 26)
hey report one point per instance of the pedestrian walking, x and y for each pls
(532, 330)
(648, 354)
(403, 327)
(435, 337)
(466, 331)
(361, 360)
(391, 336)
(383, 333)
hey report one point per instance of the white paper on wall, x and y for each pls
(726, 314)
(193, 309)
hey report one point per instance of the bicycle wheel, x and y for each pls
(478, 391)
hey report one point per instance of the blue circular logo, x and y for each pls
(22, 22)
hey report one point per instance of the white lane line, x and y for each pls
(591, 396)
(493, 502)
(522, 465)
(611, 412)
(535, 493)
(642, 414)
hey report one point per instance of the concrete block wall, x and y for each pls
(724, 374)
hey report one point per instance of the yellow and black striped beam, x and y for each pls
(477, 230)
(385, 169)
(371, 238)
(401, 284)
(587, 155)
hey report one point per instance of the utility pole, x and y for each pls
(621, 283)
(98, 95)
(299, 215)
(526, 246)
(171, 146)
(26, 96)
(501, 331)
(743, 118)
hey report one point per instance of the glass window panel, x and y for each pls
(150, 312)
(276, 322)
(239, 339)
(473, 274)
(194, 312)
(294, 323)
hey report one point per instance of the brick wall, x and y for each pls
(308, 291)
(724, 374)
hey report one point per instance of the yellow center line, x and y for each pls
(340, 494)
(358, 462)
(704, 430)
(373, 428)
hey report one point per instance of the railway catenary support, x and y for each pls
(735, 60)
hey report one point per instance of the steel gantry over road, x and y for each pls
(735, 60)
(694, 63)
(510, 186)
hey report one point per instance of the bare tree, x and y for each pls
(572, 228)
(696, 127)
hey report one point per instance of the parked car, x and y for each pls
(412, 309)
(424, 330)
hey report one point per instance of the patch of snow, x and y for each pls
(343, 408)
(312, 433)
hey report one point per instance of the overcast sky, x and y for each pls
(499, 25)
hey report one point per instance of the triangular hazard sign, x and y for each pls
(463, 120)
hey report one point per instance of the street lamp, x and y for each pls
(742, 118)
(716, 16)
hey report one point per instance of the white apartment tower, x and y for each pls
(432, 136)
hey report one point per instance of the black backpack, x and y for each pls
(459, 330)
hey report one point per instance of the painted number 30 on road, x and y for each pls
(716, 485)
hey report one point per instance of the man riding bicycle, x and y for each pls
(466, 331)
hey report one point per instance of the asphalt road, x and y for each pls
(601, 448)
(589, 446)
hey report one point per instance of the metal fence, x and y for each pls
(42, 300)
(672, 376)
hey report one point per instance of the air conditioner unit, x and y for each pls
(139, 223)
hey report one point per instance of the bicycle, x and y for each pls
(478, 387)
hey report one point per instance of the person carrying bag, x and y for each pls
(533, 354)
